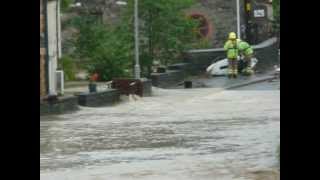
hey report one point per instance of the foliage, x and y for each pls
(276, 14)
(105, 48)
(165, 31)
(67, 64)
(65, 4)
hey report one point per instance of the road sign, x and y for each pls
(259, 13)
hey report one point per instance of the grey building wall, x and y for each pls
(221, 14)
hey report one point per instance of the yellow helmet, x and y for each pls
(232, 36)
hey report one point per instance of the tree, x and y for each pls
(65, 4)
(165, 30)
(276, 14)
(107, 51)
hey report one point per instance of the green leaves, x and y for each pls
(276, 14)
(166, 30)
(67, 64)
(106, 48)
(65, 4)
(276, 8)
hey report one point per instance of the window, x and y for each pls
(204, 28)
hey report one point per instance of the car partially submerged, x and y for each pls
(220, 67)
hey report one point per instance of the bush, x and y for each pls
(107, 64)
(165, 32)
(276, 15)
(67, 64)
(65, 4)
(106, 48)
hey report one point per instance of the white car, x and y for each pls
(220, 67)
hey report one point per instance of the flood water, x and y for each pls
(177, 134)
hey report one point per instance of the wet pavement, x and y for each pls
(208, 81)
(205, 133)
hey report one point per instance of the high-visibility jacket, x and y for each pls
(245, 48)
(232, 49)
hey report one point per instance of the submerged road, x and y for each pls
(178, 134)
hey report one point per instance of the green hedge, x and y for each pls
(67, 64)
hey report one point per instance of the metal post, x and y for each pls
(52, 52)
(247, 19)
(136, 28)
(45, 6)
(59, 29)
(238, 19)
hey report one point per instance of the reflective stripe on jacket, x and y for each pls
(232, 49)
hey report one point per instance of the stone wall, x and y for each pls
(167, 79)
(175, 74)
(200, 61)
(222, 16)
(184, 67)
(61, 106)
(266, 53)
(103, 98)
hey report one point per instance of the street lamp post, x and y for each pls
(137, 69)
(238, 19)
(136, 32)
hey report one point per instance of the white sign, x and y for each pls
(259, 13)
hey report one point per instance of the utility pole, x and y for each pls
(136, 28)
(238, 19)
(137, 70)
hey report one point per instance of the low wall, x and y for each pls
(167, 79)
(147, 87)
(180, 66)
(60, 106)
(97, 99)
(266, 53)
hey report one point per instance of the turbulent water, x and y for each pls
(176, 134)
